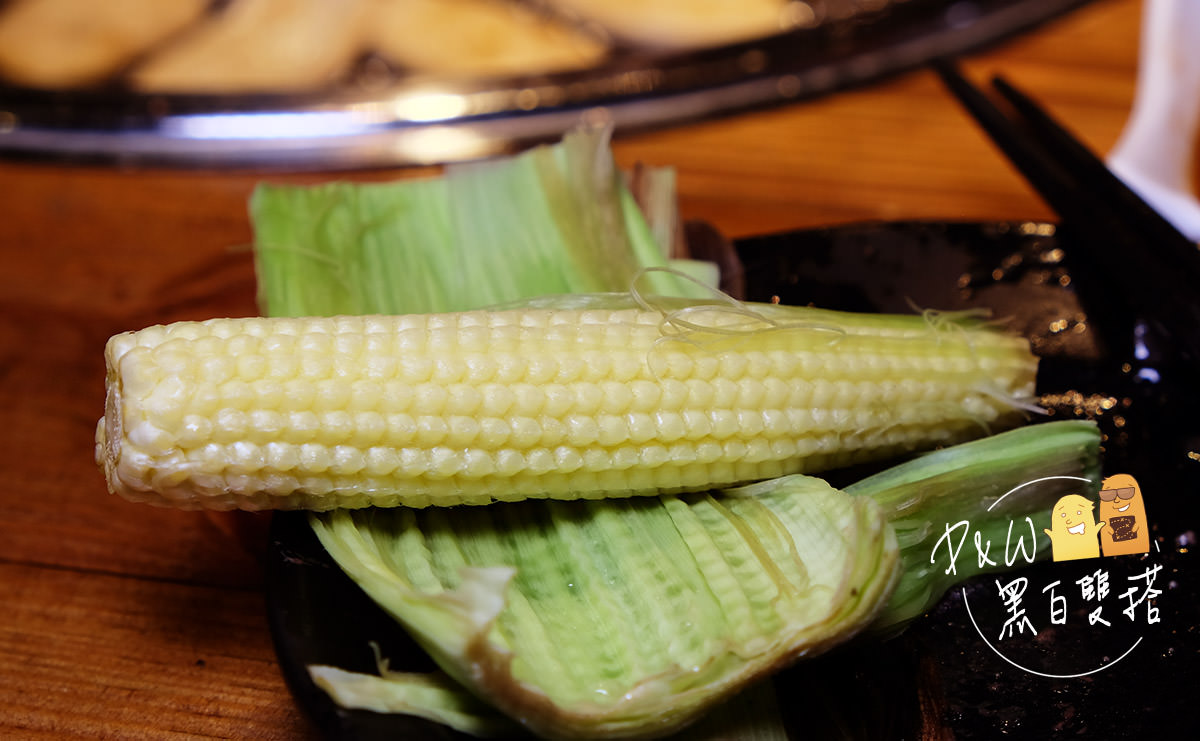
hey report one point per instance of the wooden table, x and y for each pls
(123, 620)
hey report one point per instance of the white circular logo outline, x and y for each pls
(995, 650)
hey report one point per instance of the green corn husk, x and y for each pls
(553, 220)
(432, 695)
(983, 486)
(753, 715)
(389, 552)
(622, 618)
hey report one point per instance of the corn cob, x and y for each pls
(478, 406)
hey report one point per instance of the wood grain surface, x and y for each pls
(127, 621)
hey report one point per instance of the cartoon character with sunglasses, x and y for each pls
(1122, 508)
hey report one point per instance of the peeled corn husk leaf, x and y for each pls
(990, 484)
(433, 696)
(751, 716)
(622, 618)
(555, 219)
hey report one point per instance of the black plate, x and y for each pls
(941, 676)
(363, 123)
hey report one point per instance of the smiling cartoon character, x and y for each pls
(1124, 510)
(1073, 529)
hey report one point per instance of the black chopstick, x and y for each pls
(1127, 204)
(1144, 261)
(1044, 173)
